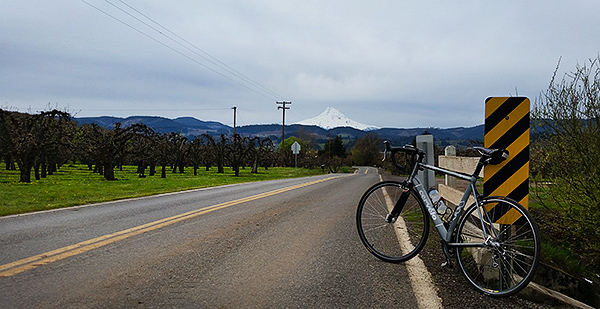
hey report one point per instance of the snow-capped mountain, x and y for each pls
(332, 118)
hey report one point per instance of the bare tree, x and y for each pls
(108, 147)
(140, 149)
(238, 151)
(178, 146)
(29, 138)
(196, 153)
(218, 150)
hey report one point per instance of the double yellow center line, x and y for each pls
(32, 262)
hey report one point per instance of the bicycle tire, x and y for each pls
(387, 241)
(507, 261)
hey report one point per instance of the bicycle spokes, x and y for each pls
(392, 238)
(498, 258)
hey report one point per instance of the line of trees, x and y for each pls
(43, 142)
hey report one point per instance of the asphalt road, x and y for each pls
(288, 243)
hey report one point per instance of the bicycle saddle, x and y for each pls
(492, 156)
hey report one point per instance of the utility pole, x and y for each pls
(234, 112)
(283, 107)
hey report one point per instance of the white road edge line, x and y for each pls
(425, 290)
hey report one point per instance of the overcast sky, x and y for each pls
(385, 63)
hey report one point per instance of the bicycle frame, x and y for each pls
(446, 233)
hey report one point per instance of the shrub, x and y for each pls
(565, 154)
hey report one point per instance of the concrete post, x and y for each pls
(450, 151)
(425, 142)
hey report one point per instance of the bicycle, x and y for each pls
(495, 240)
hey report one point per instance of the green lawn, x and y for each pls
(76, 185)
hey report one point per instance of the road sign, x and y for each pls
(507, 126)
(296, 148)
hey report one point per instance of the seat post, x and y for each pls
(479, 167)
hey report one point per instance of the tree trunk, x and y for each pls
(44, 171)
(25, 170)
(52, 167)
(163, 173)
(141, 170)
(255, 166)
(10, 163)
(109, 172)
(36, 171)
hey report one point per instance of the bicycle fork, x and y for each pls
(393, 215)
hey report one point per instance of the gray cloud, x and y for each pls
(385, 63)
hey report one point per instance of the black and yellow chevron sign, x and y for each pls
(507, 126)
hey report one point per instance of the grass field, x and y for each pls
(77, 185)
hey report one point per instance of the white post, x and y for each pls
(425, 143)
(450, 151)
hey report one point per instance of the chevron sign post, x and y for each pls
(507, 126)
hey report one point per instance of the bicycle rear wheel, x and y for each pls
(391, 242)
(505, 247)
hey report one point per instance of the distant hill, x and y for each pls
(184, 125)
(316, 135)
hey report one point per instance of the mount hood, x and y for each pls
(332, 118)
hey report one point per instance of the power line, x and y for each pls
(160, 32)
(159, 109)
(250, 84)
(216, 61)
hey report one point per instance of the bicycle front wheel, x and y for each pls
(391, 242)
(500, 246)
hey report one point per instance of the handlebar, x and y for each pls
(408, 149)
(488, 156)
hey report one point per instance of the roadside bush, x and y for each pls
(565, 154)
